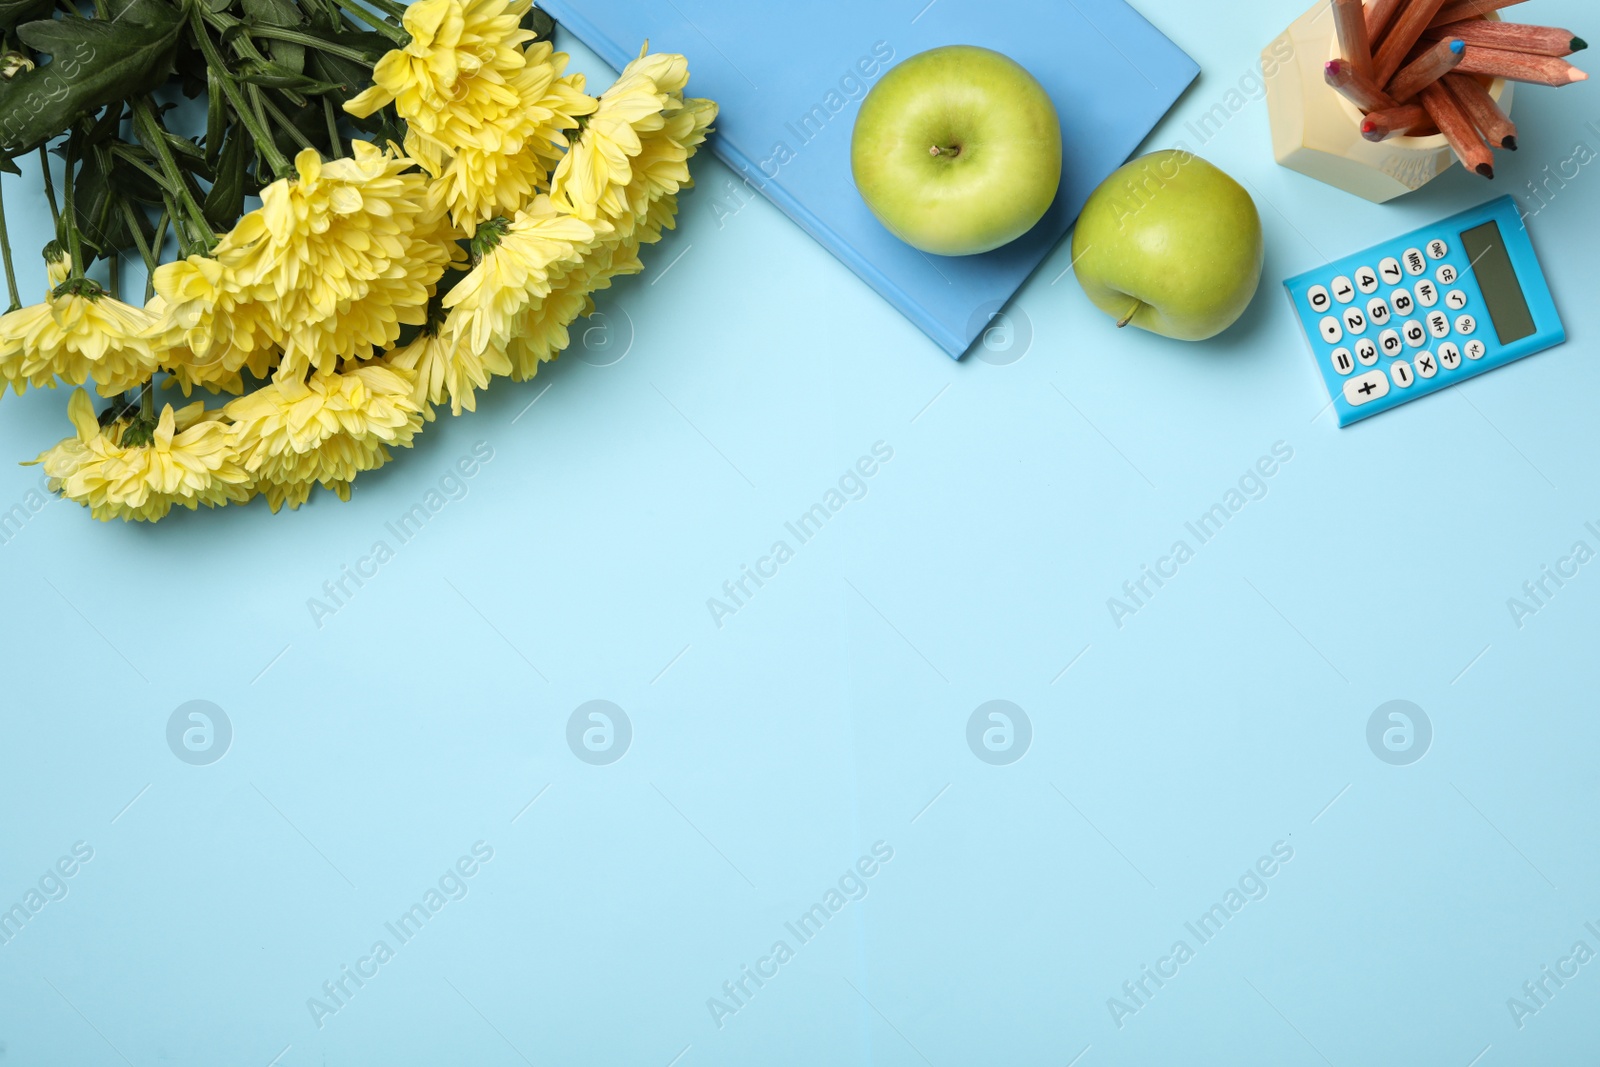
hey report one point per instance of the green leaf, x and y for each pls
(542, 25)
(94, 62)
(225, 203)
(272, 76)
(286, 14)
(15, 11)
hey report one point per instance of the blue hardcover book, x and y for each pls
(790, 78)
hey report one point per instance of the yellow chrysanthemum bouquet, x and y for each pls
(371, 284)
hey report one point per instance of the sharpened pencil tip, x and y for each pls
(1578, 75)
(1509, 143)
(1458, 46)
(1485, 169)
(1579, 44)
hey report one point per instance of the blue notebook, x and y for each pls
(790, 78)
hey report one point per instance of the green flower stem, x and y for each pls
(149, 257)
(5, 250)
(49, 184)
(395, 33)
(147, 399)
(161, 240)
(241, 107)
(264, 101)
(333, 128)
(278, 33)
(71, 227)
(152, 137)
(132, 159)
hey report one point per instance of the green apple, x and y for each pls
(957, 150)
(1170, 244)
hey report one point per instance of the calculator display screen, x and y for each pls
(1502, 292)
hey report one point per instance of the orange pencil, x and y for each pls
(1458, 130)
(1382, 125)
(1379, 14)
(1362, 92)
(1511, 36)
(1351, 23)
(1433, 64)
(1407, 29)
(1493, 123)
(1457, 10)
(1519, 66)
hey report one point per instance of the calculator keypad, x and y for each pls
(1438, 325)
(1343, 290)
(1377, 311)
(1476, 349)
(1449, 356)
(1427, 295)
(1437, 249)
(1446, 274)
(1466, 325)
(1416, 336)
(1390, 270)
(1343, 361)
(1389, 341)
(1400, 371)
(1416, 266)
(1318, 298)
(1425, 365)
(1366, 352)
(1354, 321)
(1367, 280)
(1455, 300)
(1332, 332)
(1365, 388)
(1401, 299)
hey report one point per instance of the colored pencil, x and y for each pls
(1434, 63)
(1350, 20)
(1518, 66)
(1457, 10)
(1362, 92)
(1493, 123)
(1407, 29)
(1511, 36)
(1458, 130)
(1395, 122)
(1380, 13)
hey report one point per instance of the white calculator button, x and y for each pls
(1365, 388)
(1389, 269)
(1343, 361)
(1449, 356)
(1343, 290)
(1366, 352)
(1427, 294)
(1401, 299)
(1426, 367)
(1439, 325)
(1446, 274)
(1332, 332)
(1476, 349)
(1400, 371)
(1455, 300)
(1354, 321)
(1415, 335)
(1466, 325)
(1389, 341)
(1378, 311)
(1318, 298)
(1367, 280)
(1438, 249)
(1415, 264)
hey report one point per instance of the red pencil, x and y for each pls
(1382, 125)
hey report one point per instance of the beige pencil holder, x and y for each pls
(1317, 132)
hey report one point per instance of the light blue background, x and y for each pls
(830, 712)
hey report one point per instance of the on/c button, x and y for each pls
(1365, 388)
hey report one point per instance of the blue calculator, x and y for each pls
(1427, 310)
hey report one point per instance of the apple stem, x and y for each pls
(949, 153)
(1137, 304)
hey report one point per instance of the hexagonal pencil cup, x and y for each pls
(1317, 132)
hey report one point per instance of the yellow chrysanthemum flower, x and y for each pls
(207, 327)
(526, 258)
(591, 177)
(188, 461)
(484, 115)
(445, 367)
(57, 265)
(347, 254)
(77, 335)
(461, 54)
(293, 434)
